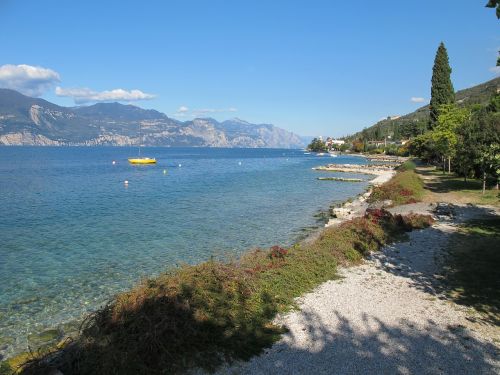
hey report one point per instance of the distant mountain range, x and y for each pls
(479, 94)
(32, 121)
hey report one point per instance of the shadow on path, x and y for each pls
(448, 263)
(375, 348)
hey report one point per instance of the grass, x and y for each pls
(405, 187)
(473, 267)
(203, 315)
(407, 166)
(451, 188)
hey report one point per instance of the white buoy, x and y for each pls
(180, 165)
(125, 182)
(114, 162)
(164, 171)
(239, 163)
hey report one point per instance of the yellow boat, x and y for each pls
(142, 160)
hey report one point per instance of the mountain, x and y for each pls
(31, 121)
(396, 126)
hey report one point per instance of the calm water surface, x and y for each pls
(72, 234)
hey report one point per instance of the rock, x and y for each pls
(5, 342)
(341, 212)
(45, 338)
(70, 328)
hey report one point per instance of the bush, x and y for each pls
(405, 187)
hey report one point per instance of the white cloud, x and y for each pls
(495, 69)
(27, 79)
(85, 95)
(416, 99)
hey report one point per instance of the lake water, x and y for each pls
(72, 234)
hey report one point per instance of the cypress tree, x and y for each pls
(442, 91)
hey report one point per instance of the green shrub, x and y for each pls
(405, 187)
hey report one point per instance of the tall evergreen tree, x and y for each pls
(442, 91)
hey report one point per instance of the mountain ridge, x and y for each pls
(33, 121)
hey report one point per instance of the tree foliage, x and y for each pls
(442, 91)
(494, 4)
(468, 137)
(358, 145)
(317, 145)
(444, 134)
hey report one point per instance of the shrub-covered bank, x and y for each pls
(405, 187)
(200, 316)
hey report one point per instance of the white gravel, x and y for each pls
(384, 317)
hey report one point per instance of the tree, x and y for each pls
(358, 145)
(445, 132)
(487, 144)
(492, 157)
(442, 91)
(494, 105)
(317, 145)
(423, 146)
(494, 4)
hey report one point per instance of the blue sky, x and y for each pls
(313, 67)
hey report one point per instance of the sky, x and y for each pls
(312, 67)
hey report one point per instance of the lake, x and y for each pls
(73, 234)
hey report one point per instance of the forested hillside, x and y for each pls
(416, 123)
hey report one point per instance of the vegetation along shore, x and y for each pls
(218, 315)
(205, 315)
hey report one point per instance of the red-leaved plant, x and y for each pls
(277, 252)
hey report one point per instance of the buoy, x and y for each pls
(164, 171)
(180, 165)
(239, 163)
(114, 162)
(125, 182)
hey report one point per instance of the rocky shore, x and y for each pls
(358, 206)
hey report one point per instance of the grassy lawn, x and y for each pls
(450, 188)
(473, 267)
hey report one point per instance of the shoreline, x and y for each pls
(68, 328)
(284, 273)
(389, 312)
(357, 206)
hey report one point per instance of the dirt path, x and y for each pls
(387, 316)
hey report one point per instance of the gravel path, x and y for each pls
(384, 317)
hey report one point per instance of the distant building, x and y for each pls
(377, 143)
(333, 143)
